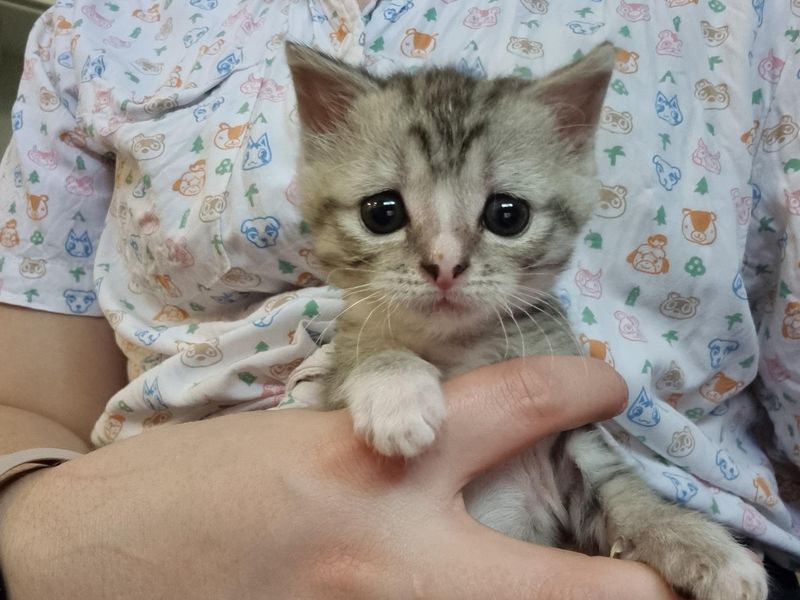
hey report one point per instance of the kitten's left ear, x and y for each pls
(326, 88)
(575, 94)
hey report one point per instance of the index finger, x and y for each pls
(496, 411)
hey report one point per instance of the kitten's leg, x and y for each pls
(396, 401)
(694, 554)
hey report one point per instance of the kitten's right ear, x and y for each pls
(326, 88)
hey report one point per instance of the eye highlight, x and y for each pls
(506, 215)
(383, 212)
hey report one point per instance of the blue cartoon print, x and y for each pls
(93, 68)
(204, 4)
(202, 111)
(65, 60)
(262, 232)
(668, 109)
(738, 287)
(16, 120)
(584, 27)
(258, 153)
(685, 488)
(152, 395)
(726, 465)
(395, 10)
(476, 69)
(193, 36)
(758, 6)
(668, 176)
(79, 246)
(79, 301)
(643, 411)
(148, 336)
(718, 349)
(229, 62)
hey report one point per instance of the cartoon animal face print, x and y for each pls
(633, 12)
(395, 10)
(152, 395)
(179, 252)
(93, 68)
(273, 91)
(161, 104)
(778, 371)
(202, 111)
(43, 158)
(629, 327)
(719, 349)
(159, 417)
(213, 206)
(37, 206)
(650, 257)
(79, 246)
(643, 411)
(212, 49)
(685, 488)
(148, 336)
(48, 101)
(597, 349)
(584, 27)
(147, 147)
(668, 43)
(239, 279)
(228, 138)
(537, 7)
(726, 465)
(200, 354)
(763, 492)
(668, 109)
(626, 62)
(80, 186)
(672, 379)
(750, 137)
(73, 137)
(682, 443)
(262, 232)
(79, 301)
(792, 201)
(771, 67)
(258, 153)
(699, 226)
(171, 314)
(524, 47)
(192, 181)
(676, 306)
(191, 37)
(282, 372)
(589, 284)
(8, 234)
(705, 158)
(668, 176)
(113, 426)
(150, 15)
(612, 201)
(32, 268)
(720, 387)
(16, 120)
(165, 282)
(713, 97)
(714, 36)
(782, 134)
(614, 121)
(790, 328)
(417, 44)
(204, 4)
(149, 222)
(481, 17)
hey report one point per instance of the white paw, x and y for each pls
(743, 577)
(398, 414)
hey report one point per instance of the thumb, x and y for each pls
(496, 411)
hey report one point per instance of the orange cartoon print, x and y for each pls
(8, 234)
(37, 206)
(763, 493)
(597, 349)
(165, 281)
(719, 387)
(699, 227)
(228, 138)
(651, 257)
(170, 313)
(417, 44)
(192, 181)
(791, 321)
(626, 62)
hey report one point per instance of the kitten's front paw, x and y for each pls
(398, 415)
(712, 567)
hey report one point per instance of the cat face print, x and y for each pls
(79, 246)
(667, 109)
(460, 192)
(200, 354)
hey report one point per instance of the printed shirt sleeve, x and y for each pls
(55, 182)
(772, 258)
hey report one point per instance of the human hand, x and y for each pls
(289, 504)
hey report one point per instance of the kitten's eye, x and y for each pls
(506, 215)
(383, 212)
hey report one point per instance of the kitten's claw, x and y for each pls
(398, 415)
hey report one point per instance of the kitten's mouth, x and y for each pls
(447, 304)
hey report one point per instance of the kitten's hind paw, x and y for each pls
(397, 414)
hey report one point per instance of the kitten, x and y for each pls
(444, 206)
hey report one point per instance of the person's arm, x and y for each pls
(289, 504)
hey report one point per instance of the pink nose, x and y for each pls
(443, 278)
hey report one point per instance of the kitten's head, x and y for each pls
(450, 196)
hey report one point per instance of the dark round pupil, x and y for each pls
(383, 213)
(505, 215)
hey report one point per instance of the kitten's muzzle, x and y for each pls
(443, 277)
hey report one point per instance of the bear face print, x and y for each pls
(626, 62)
(676, 306)
(781, 135)
(417, 44)
(612, 202)
(200, 354)
(614, 121)
(713, 97)
(31, 268)
(212, 207)
(790, 328)
(672, 380)
(524, 47)
(147, 147)
(682, 443)
(239, 279)
(714, 36)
